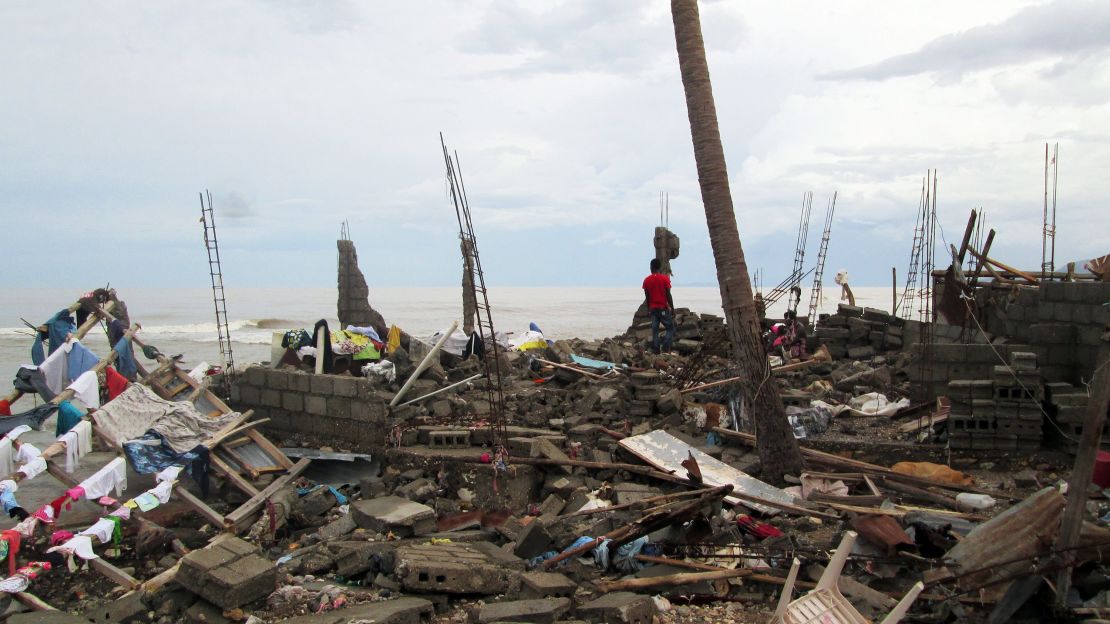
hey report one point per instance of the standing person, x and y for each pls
(657, 295)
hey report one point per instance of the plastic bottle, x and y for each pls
(974, 502)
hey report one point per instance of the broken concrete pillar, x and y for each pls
(619, 608)
(470, 302)
(229, 574)
(354, 304)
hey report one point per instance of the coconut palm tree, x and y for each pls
(778, 450)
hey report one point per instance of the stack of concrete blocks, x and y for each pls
(692, 330)
(647, 388)
(328, 407)
(1067, 410)
(860, 333)
(1002, 412)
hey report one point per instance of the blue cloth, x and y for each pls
(58, 327)
(37, 355)
(625, 560)
(663, 316)
(7, 498)
(80, 360)
(68, 417)
(125, 358)
(585, 361)
(152, 453)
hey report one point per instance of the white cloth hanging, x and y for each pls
(55, 369)
(87, 388)
(163, 491)
(102, 530)
(80, 545)
(169, 474)
(7, 485)
(18, 431)
(26, 453)
(78, 443)
(33, 468)
(112, 476)
(7, 466)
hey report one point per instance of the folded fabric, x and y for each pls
(123, 512)
(80, 359)
(68, 417)
(146, 501)
(113, 476)
(369, 332)
(116, 382)
(26, 526)
(64, 499)
(87, 388)
(33, 468)
(6, 464)
(76, 492)
(32, 419)
(45, 514)
(80, 545)
(103, 530)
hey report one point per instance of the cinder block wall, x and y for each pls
(330, 407)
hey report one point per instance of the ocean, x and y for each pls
(182, 320)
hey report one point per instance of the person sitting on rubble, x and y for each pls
(794, 340)
(657, 295)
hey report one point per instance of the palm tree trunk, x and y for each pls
(778, 450)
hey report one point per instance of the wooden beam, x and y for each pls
(239, 518)
(211, 515)
(669, 580)
(116, 575)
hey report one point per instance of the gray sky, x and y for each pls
(568, 117)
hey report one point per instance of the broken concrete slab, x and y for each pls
(403, 517)
(452, 569)
(619, 608)
(407, 610)
(229, 574)
(546, 585)
(537, 611)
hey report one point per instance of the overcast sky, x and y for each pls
(569, 120)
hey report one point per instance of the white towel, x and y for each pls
(6, 463)
(56, 369)
(7, 485)
(102, 530)
(26, 453)
(112, 476)
(168, 474)
(80, 545)
(33, 468)
(73, 449)
(87, 388)
(18, 431)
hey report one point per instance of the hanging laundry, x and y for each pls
(26, 453)
(103, 530)
(31, 419)
(12, 538)
(33, 468)
(58, 328)
(31, 379)
(5, 407)
(393, 340)
(369, 332)
(78, 441)
(58, 537)
(80, 545)
(125, 358)
(146, 457)
(113, 476)
(146, 501)
(68, 417)
(87, 388)
(168, 474)
(55, 369)
(162, 491)
(14, 434)
(80, 360)
(116, 382)
(7, 499)
(6, 463)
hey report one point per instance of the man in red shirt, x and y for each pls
(657, 295)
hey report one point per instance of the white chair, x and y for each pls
(825, 604)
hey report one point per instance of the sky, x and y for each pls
(569, 121)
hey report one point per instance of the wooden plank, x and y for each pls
(33, 602)
(214, 517)
(116, 575)
(240, 516)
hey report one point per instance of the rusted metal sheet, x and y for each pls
(666, 452)
(884, 532)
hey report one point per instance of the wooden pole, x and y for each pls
(1097, 406)
(670, 580)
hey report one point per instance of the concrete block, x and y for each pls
(536, 611)
(849, 310)
(339, 407)
(256, 376)
(277, 380)
(299, 382)
(861, 353)
(292, 401)
(229, 574)
(407, 610)
(345, 386)
(393, 513)
(1054, 291)
(533, 540)
(271, 398)
(546, 585)
(452, 569)
(621, 607)
(322, 384)
(123, 610)
(250, 395)
(315, 405)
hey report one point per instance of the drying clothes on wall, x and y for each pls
(358, 345)
(80, 360)
(138, 409)
(113, 476)
(32, 419)
(68, 417)
(369, 332)
(329, 357)
(58, 328)
(152, 453)
(125, 358)
(116, 382)
(295, 339)
(87, 388)
(30, 379)
(78, 441)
